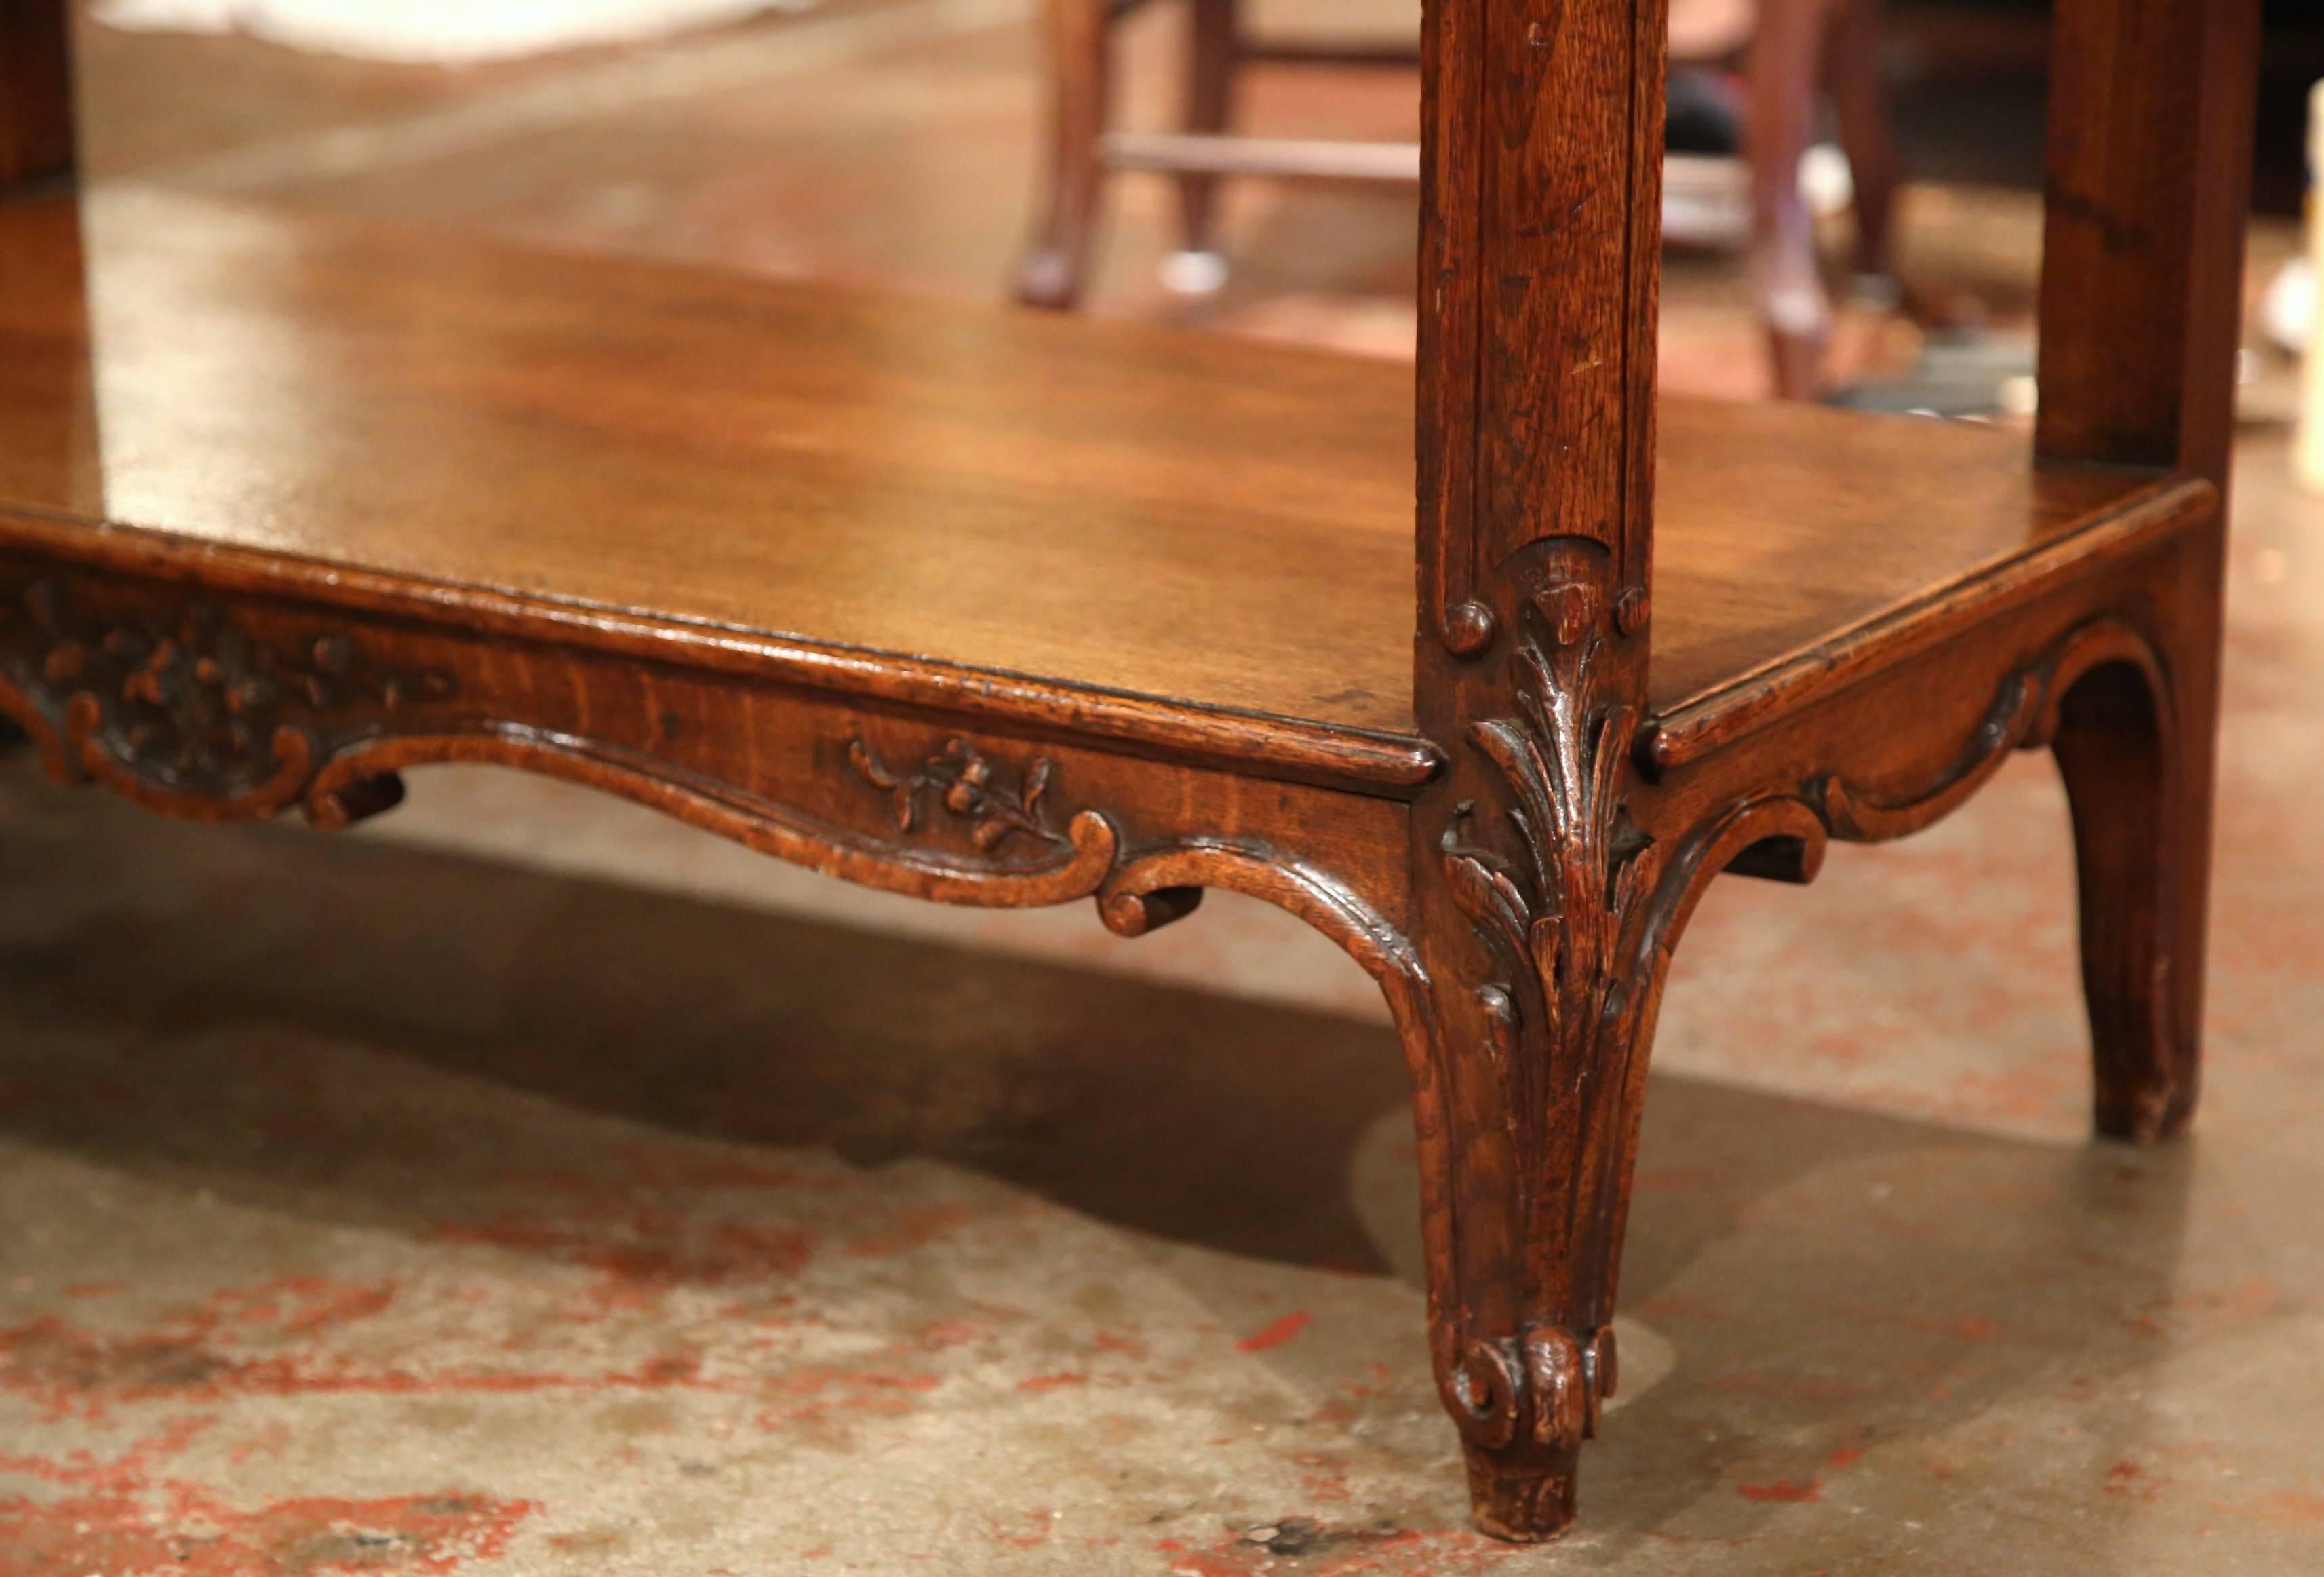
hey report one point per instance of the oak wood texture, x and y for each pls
(2148, 179)
(990, 608)
(1001, 492)
(1552, 868)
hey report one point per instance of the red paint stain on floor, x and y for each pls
(2252, 1299)
(1783, 1491)
(812, 1395)
(1186, 1561)
(1062, 1381)
(1033, 1532)
(303, 1305)
(68, 1371)
(1277, 1333)
(915, 1229)
(121, 1518)
(2127, 1481)
(647, 1251)
(112, 1531)
(1323, 1476)
(944, 1334)
(2297, 1509)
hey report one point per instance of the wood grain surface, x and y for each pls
(1130, 509)
(1487, 673)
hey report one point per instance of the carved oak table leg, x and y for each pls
(1531, 920)
(1540, 1059)
(2139, 780)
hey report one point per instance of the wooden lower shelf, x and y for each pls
(1171, 520)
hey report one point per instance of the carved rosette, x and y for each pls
(185, 709)
(1555, 891)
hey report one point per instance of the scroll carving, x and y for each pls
(2024, 714)
(186, 709)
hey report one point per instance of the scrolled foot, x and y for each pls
(1524, 1495)
(2140, 787)
(1525, 1407)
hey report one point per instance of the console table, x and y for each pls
(1002, 608)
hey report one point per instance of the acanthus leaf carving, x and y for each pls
(1557, 897)
(1553, 915)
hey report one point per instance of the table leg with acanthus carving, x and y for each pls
(1546, 919)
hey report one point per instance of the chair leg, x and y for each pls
(1054, 267)
(2138, 765)
(1852, 78)
(1210, 64)
(1786, 51)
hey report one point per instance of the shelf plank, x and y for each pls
(1205, 523)
(1147, 511)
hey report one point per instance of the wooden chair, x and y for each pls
(1006, 609)
(1801, 54)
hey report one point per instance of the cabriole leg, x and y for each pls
(2138, 775)
(1542, 1070)
(1543, 917)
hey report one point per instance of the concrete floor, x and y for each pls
(524, 1185)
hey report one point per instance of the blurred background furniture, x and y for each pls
(35, 95)
(1797, 56)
